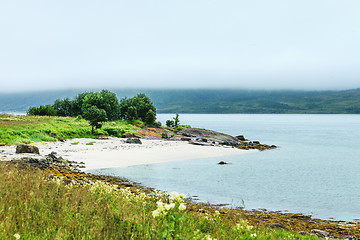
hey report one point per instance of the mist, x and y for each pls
(261, 45)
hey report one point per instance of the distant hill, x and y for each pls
(211, 101)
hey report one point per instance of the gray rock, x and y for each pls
(25, 148)
(133, 141)
(322, 233)
(241, 138)
(166, 135)
(222, 138)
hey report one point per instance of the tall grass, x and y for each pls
(26, 129)
(33, 206)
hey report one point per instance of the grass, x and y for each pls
(25, 129)
(38, 207)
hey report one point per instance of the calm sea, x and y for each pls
(315, 170)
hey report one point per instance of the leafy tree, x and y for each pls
(64, 108)
(95, 116)
(42, 110)
(77, 104)
(132, 113)
(176, 120)
(139, 107)
(173, 123)
(150, 117)
(105, 100)
(170, 123)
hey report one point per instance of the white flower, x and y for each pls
(253, 235)
(169, 206)
(182, 207)
(217, 213)
(17, 236)
(156, 213)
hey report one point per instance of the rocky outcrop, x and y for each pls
(133, 141)
(209, 136)
(49, 161)
(205, 137)
(25, 148)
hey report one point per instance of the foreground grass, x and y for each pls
(26, 129)
(33, 206)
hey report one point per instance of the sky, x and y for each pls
(257, 44)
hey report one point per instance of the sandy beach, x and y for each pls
(114, 152)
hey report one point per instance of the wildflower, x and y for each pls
(175, 196)
(217, 213)
(169, 206)
(156, 213)
(253, 235)
(182, 207)
(17, 236)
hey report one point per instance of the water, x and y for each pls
(315, 171)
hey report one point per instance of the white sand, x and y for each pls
(114, 152)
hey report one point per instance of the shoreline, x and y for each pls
(99, 155)
(115, 152)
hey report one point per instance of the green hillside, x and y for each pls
(212, 101)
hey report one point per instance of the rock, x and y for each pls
(322, 233)
(157, 124)
(60, 139)
(241, 138)
(222, 138)
(200, 143)
(166, 135)
(133, 141)
(185, 139)
(256, 142)
(25, 148)
(222, 163)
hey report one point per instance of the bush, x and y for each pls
(46, 110)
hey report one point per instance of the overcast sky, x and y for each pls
(253, 44)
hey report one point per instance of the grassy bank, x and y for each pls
(39, 207)
(26, 129)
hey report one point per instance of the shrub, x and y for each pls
(43, 110)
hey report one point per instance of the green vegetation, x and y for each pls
(173, 123)
(99, 107)
(26, 129)
(139, 107)
(39, 207)
(46, 110)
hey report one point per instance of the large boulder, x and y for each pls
(210, 136)
(25, 148)
(133, 141)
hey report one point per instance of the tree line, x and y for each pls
(98, 107)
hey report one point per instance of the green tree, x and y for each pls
(95, 116)
(176, 120)
(150, 117)
(170, 123)
(77, 104)
(105, 100)
(42, 110)
(139, 107)
(64, 108)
